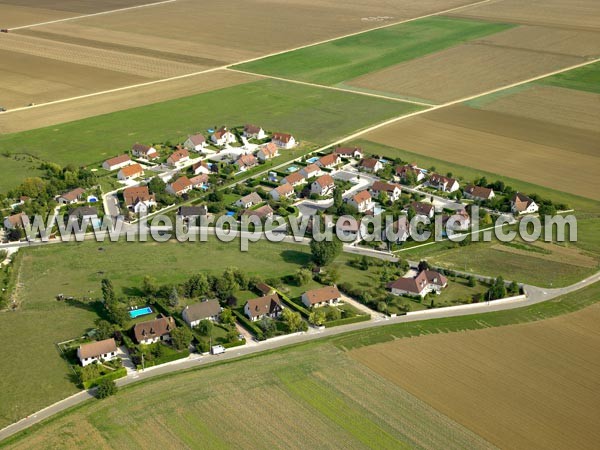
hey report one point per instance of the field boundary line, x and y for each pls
(332, 88)
(83, 16)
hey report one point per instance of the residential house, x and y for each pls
(392, 190)
(521, 204)
(245, 162)
(459, 221)
(283, 191)
(329, 161)
(130, 172)
(264, 288)
(117, 162)
(479, 193)
(263, 212)
(195, 142)
(312, 170)
(419, 286)
(223, 137)
(265, 306)
(423, 209)
(178, 157)
(372, 165)
(206, 310)
(144, 151)
(154, 330)
(323, 185)
(138, 199)
(327, 295)
(362, 201)
(295, 179)
(199, 181)
(190, 214)
(254, 132)
(268, 151)
(350, 228)
(249, 200)
(397, 232)
(71, 197)
(443, 183)
(349, 152)
(14, 221)
(200, 168)
(284, 140)
(180, 186)
(403, 171)
(83, 213)
(105, 350)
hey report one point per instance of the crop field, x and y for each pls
(584, 79)
(353, 56)
(520, 386)
(290, 399)
(312, 114)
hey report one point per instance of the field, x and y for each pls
(538, 380)
(353, 56)
(312, 114)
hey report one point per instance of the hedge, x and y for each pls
(303, 311)
(347, 321)
(119, 373)
(235, 343)
(166, 358)
(249, 325)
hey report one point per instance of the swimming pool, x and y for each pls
(314, 159)
(292, 169)
(140, 312)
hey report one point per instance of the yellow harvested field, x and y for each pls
(580, 14)
(578, 109)
(461, 71)
(32, 118)
(533, 386)
(559, 254)
(559, 157)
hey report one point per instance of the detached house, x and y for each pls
(328, 295)
(130, 172)
(143, 151)
(312, 170)
(263, 212)
(189, 214)
(206, 310)
(349, 152)
(323, 185)
(284, 140)
(443, 183)
(178, 157)
(329, 161)
(195, 142)
(423, 209)
(459, 221)
(268, 151)
(398, 231)
(392, 190)
(295, 179)
(521, 204)
(265, 306)
(245, 162)
(479, 193)
(425, 282)
(15, 221)
(117, 162)
(71, 197)
(403, 171)
(199, 181)
(254, 132)
(138, 199)
(361, 201)
(105, 350)
(180, 186)
(223, 137)
(201, 168)
(249, 200)
(83, 213)
(283, 191)
(372, 165)
(154, 330)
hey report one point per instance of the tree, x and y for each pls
(333, 314)
(205, 327)
(196, 286)
(514, 288)
(423, 265)
(383, 198)
(106, 388)
(497, 289)
(292, 319)
(226, 284)
(227, 317)
(104, 329)
(108, 291)
(325, 252)
(317, 317)
(181, 338)
(174, 297)
(338, 201)
(268, 326)
(382, 307)
(149, 286)
(472, 281)
(333, 274)
(303, 277)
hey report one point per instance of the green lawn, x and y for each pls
(353, 56)
(312, 114)
(585, 78)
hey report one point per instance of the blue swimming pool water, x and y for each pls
(292, 169)
(312, 160)
(140, 312)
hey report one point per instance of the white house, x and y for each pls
(268, 151)
(425, 282)
(195, 142)
(138, 199)
(349, 152)
(144, 151)
(372, 165)
(328, 295)
(284, 140)
(117, 162)
(392, 190)
(180, 186)
(245, 162)
(154, 330)
(323, 185)
(521, 204)
(201, 168)
(312, 170)
(73, 196)
(223, 136)
(206, 310)
(423, 209)
(283, 191)
(254, 132)
(480, 193)
(265, 306)
(329, 161)
(295, 179)
(443, 183)
(403, 171)
(105, 350)
(361, 201)
(130, 172)
(249, 200)
(178, 157)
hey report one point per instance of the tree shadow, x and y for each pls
(96, 306)
(296, 257)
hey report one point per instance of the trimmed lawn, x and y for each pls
(353, 56)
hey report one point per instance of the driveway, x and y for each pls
(375, 315)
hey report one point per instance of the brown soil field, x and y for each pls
(578, 109)
(28, 78)
(558, 157)
(29, 119)
(531, 386)
(462, 71)
(581, 14)
(564, 255)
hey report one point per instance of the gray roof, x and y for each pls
(83, 211)
(192, 211)
(202, 310)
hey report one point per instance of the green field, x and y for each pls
(585, 78)
(312, 114)
(354, 56)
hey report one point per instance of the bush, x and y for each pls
(296, 307)
(106, 388)
(119, 373)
